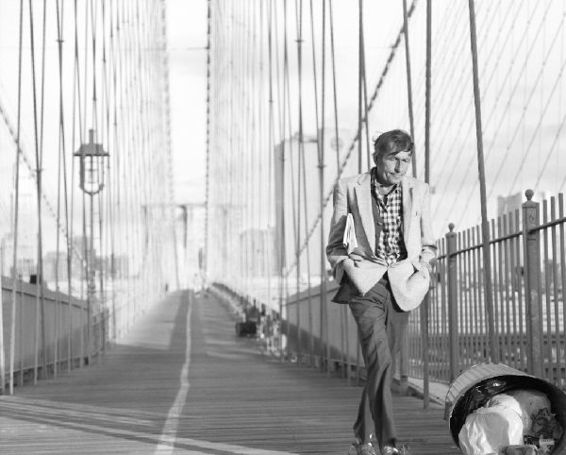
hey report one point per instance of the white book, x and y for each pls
(349, 240)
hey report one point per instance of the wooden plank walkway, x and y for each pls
(169, 390)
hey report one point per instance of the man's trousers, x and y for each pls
(381, 325)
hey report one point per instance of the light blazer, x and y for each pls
(409, 278)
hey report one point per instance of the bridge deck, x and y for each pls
(149, 396)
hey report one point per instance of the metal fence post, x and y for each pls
(452, 277)
(424, 344)
(532, 272)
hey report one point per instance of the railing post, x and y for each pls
(424, 343)
(452, 277)
(532, 285)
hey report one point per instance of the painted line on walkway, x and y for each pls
(168, 436)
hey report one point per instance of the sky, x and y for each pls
(187, 64)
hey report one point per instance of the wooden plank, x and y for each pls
(238, 400)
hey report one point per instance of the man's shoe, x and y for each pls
(390, 450)
(362, 449)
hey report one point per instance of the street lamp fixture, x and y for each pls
(92, 156)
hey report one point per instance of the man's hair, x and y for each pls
(394, 141)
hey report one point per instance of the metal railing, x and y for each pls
(528, 277)
(56, 342)
(450, 331)
(51, 333)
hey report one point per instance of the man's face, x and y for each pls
(391, 167)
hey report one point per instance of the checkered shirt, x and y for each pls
(390, 247)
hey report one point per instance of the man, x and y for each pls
(383, 266)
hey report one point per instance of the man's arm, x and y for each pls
(335, 250)
(428, 251)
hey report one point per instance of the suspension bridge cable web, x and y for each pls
(530, 96)
(496, 130)
(456, 77)
(454, 106)
(357, 136)
(549, 99)
(487, 85)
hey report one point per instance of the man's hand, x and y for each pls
(427, 265)
(355, 257)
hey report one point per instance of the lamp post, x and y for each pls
(91, 157)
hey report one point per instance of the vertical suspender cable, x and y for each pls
(91, 284)
(269, 173)
(360, 63)
(61, 180)
(288, 151)
(300, 158)
(318, 149)
(167, 107)
(336, 143)
(360, 130)
(284, 326)
(103, 220)
(103, 319)
(111, 134)
(40, 196)
(208, 151)
(75, 113)
(409, 83)
(428, 88)
(424, 308)
(334, 90)
(493, 350)
(324, 335)
(294, 200)
(364, 87)
(40, 311)
(16, 209)
(271, 142)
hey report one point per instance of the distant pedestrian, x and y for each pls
(380, 247)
